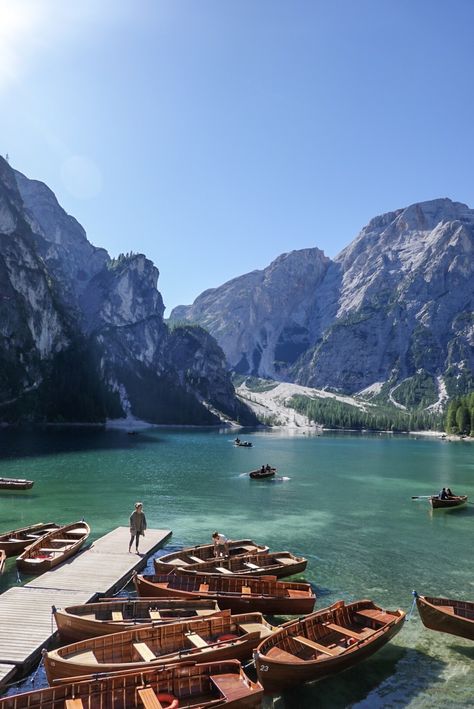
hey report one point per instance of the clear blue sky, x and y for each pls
(214, 135)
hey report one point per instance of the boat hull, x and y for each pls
(203, 553)
(277, 675)
(299, 603)
(279, 564)
(13, 542)
(73, 624)
(447, 616)
(217, 641)
(438, 504)
(15, 484)
(203, 685)
(45, 554)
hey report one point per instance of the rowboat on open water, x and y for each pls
(216, 684)
(15, 484)
(114, 615)
(278, 563)
(190, 556)
(15, 541)
(217, 638)
(447, 615)
(264, 472)
(324, 643)
(443, 504)
(239, 593)
(53, 548)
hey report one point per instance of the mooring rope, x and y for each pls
(410, 612)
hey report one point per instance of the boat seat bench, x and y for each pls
(223, 570)
(246, 589)
(196, 640)
(345, 631)
(204, 587)
(256, 627)
(117, 615)
(317, 646)
(277, 653)
(144, 652)
(372, 614)
(196, 559)
(249, 565)
(154, 615)
(74, 704)
(149, 698)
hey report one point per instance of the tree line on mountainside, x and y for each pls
(460, 416)
(332, 413)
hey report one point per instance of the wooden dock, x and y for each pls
(26, 621)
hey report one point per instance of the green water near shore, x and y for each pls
(344, 503)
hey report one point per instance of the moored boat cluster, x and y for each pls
(181, 643)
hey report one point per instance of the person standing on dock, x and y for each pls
(137, 525)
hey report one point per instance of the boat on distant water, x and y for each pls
(191, 556)
(217, 638)
(53, 548)
(214, 684)
(242, 444)
(278, 563)
(324, 643)
(15, 484)
(447, 615)
(16, 540)
(115, 615)
(438, 503)
(263, 472)
(239, 593)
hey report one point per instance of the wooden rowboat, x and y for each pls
(324, 643)
(239, 593)
(15, 541)
(54, 548)
(190, 556)
(447, 615)
(115, 615)
(216, 684)
(265, 473)
(15, 484)
(278, 563)
(221, 637)
(438, 504)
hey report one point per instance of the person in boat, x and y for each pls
(267, 468)
(221, 544)
(262, 469)
(443, 495)
(449, 493)
(137, 526)
(237, 441)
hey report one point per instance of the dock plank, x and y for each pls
(27, 623)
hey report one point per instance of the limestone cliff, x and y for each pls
(82, 336)
(396, 305)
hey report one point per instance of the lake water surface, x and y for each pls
(344, 503)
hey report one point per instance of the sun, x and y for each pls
(20, 22)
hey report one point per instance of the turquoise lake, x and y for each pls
(344, 503)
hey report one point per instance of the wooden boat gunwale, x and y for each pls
(435, 615)
(207, 684)
(449, 503)
(38, 557)
(13, 543)
(15, 484)
(261, 564)
(219, 637)
(164, 564)
(281, 669)
(75, 623)
(265, 593)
